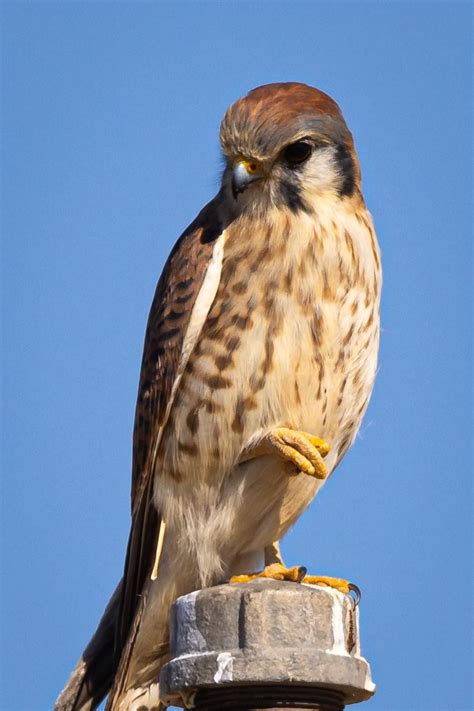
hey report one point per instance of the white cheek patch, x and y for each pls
(321, 171)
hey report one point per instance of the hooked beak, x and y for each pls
(244, 172)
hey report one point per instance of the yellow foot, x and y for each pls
(337, 583)
(275, 571)
(297, 574)
(304, 450)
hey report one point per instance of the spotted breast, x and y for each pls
(291, 340)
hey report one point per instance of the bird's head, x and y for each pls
(286, 145)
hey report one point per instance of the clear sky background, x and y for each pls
(111, 113)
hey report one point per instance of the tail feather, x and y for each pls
(94, 673)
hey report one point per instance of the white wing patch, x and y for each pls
(202, 305)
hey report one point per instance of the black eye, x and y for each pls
(297, 153)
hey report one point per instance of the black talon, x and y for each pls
(357, 593)
(301, 573)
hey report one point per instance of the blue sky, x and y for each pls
(110, 119)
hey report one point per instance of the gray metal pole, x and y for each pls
(265, 645)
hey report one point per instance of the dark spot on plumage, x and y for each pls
(344, 445)
(346, 167)
(256, 383)
(269, 349)
(185, 448)
(348, 336)
(183, 299)
(343, 272)
(224, 362)
(306, 301)
(226, 306)
(272, 285)
(166, 335)
(322, 368)
(374, 251)
(238, 421)
(240, 287)
(217, 382)
(268, 302)
(242, 322)
(297, 393)
(192, 420)
(261, 255)
(366, 345)
(325, 402)
(175, 315)
(327, 293)
(198, 348)
(302, 268)
(370, 320)
(343, 384)
(291, 196)
(368, 297)
(340, 359)
(214, 327)
(212, 322)
(233, 342)
(362, 407)
(229, 268)
(250, 403)
(350, 246)
(245, 252)
(184, 284)
(316, 328)
(242, 405)
(288, 278)
(376, 283)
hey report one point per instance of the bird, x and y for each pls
(259, 360)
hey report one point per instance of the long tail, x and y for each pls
(135, 685)
(94, 673)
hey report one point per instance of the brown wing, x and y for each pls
(169, 318)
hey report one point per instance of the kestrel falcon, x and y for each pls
(259, 360)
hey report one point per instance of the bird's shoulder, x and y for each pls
(169, 317)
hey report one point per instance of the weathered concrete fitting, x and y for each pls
(246, 646)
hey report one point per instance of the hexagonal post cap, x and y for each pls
(262, 641)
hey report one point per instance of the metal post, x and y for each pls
(265, 645)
